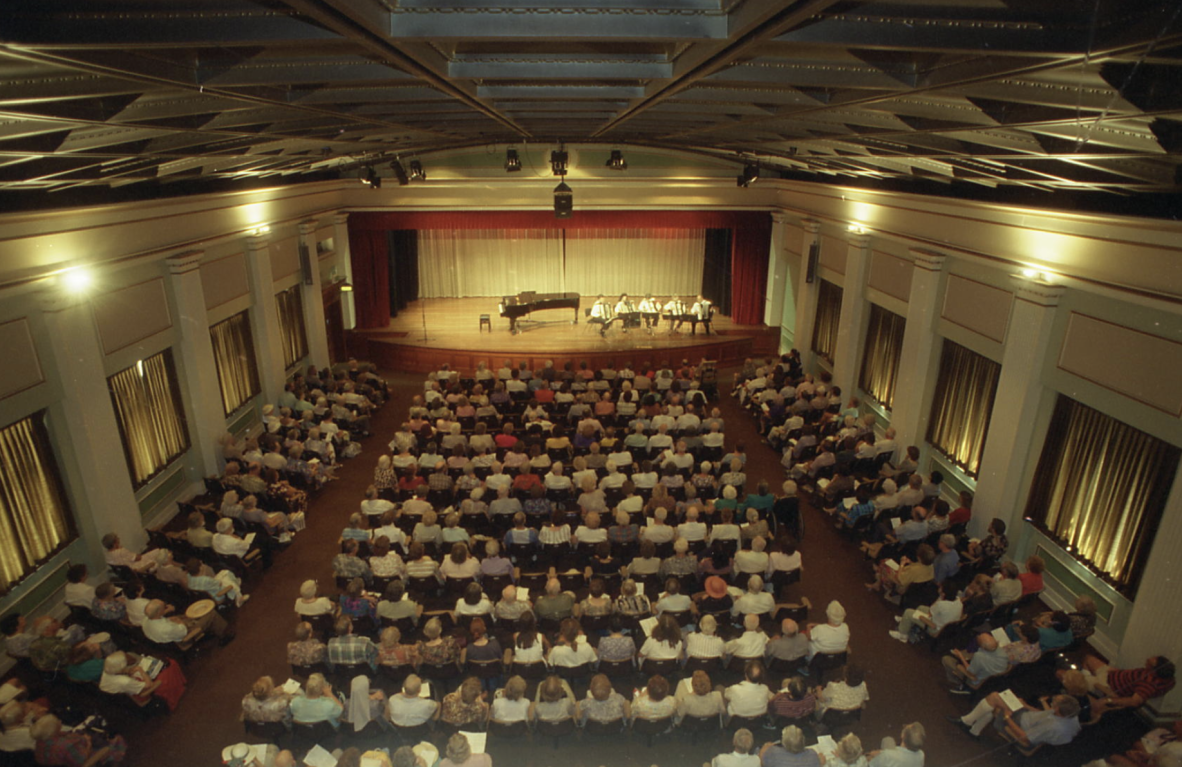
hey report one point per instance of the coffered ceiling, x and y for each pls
(1043, 94)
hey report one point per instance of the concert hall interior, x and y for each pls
(964, 214)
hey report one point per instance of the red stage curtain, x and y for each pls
(369, 252)
(751, 236)
(749, 260)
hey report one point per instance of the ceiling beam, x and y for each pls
(587, 23)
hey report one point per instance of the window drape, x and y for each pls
(292, 336)
(962, 406)
(233, 355)
(35, 521)
(828, 316)
(369, 253)
(1100, 489)
(479, 262)
(609, 262)
(880, 357)
(150, 415)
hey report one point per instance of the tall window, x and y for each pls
(233, 354)
(962, 406)
(880, 357)
(291, 325)
(828, 316)
(1100, 489)
(35, 520)
(151, 417)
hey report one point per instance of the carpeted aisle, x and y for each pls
(905, 681)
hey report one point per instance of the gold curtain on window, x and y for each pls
(1100, 489)
(291, 325)
(828, 316)
(880, 357)
(34, 519)
(962, 405)
(233, 354)
(151, 419)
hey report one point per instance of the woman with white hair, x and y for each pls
(317, 703)
(123, 676)
(384, 477)
(832, 636)
(705, 643)
(704, 482)
(230, 506)
(755, 527)
(310, 603)
(227, 543)
(459, 754)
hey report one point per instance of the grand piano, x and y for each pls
(518, 308)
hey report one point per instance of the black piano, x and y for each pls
(518, 308)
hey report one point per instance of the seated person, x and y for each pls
(410, 707)
(116, 555)
(795, 700)
(220, 586)
(790, 750)
(348, 649)
(603, 705)
(79, 593)
(1129, 688)
(1055, 724)
(161, 628)
(317, 703)
(790, 645)
(306, 650)
(310, 603)
(465, 707)
(846, 695)
(743, 743)
(963, 668)
(396, 605)
(266, 703)
(749, 698)
(751, 644)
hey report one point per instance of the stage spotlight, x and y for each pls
(399, 173)
(372, 179)
(564, 201)
(617, 161)
(416, 171)
(512, 161)
(558, 161)
(749, 175)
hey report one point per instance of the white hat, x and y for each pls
(835, 612)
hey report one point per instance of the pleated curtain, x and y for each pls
(455, 263)
(34, 519)
(150, 416)
(609, 262)
(880, 356)
(962, 406)
(233, 354)
(293, 337)
(1100, 489)
(828, 318)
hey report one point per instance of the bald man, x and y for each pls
(788, 646)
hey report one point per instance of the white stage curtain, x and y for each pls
(456, 263)
(635, 261)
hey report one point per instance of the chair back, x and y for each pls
(824, 663)
(535, 670)
(486, 669)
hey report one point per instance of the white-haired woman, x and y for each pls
(310, 602)
(317, 703)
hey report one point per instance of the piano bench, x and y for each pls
(485, 320)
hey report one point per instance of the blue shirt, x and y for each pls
(311, 710)
(946, 565)
(859, 510)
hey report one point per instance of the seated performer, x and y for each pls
(650, 310)
(624, 312)
(675, 310)
(700, 313)
(601, 313)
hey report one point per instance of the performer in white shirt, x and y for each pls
(701, 312)
(601, 313)
(650, 308)
(675, 309)
(623, 307)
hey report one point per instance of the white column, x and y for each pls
(910, 414)
(84, 428)
(264, 318)
(777, 274)
(206, 414)
(1008, 445)
(853, 314)
(340, 240)
(1155, 625)
(806, 296)
(313, 300)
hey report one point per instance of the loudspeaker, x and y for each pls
(564, 201)
(306, 264)
(810, 273)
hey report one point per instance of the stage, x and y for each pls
(453, 335)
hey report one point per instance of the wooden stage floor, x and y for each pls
(453, 335)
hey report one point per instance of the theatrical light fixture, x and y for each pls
(372, 179)
(399, 173)
(416, 171)
(564, 201)
(616, 161)
(77, 280)
(749, 175)
(512, 161)
(558, 161)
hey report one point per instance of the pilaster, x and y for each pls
(313, 298)
(850, 328)
(912, 388)
(806, 296)
(340, 238)
(264, 319)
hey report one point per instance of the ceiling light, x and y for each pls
(416, 171)
(77, 280)
(512, 161)
(564, 201)
(399, 173)
(749, 175)
(346, 287)
(617, 161)
(558, 161)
